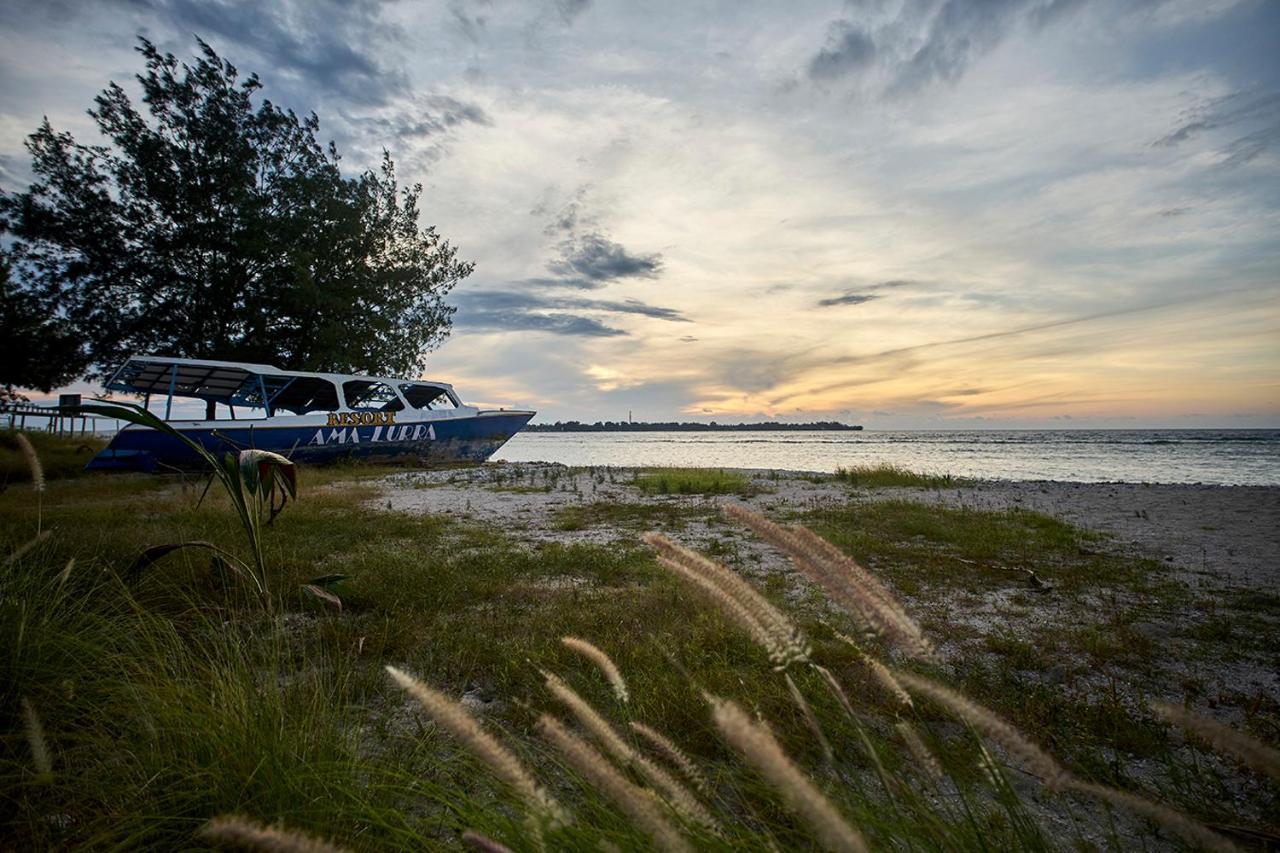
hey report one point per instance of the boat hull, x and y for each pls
(426, 443)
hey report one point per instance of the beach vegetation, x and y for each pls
(891, 476)
(693, 481)
(60, 455)
(571, 695)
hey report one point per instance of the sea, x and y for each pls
(1216, 457)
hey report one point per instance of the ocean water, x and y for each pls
(1221, 457)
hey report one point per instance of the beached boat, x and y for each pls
(308, 417)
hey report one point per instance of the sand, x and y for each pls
(1230, 533)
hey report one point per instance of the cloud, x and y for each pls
(1258, 111)
(868, 294)
(925, 40)
(594, 259)
(569, 10)
(588, 257)
(516, 301)
(556, 324)
(848, 299)
(423, 116)
(509, 310)
(848, 49)
(332, 45)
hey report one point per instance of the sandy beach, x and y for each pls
(1228, 533)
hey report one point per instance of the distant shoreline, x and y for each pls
(689, 426)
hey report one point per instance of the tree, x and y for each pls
(214, 228)
(37, 348)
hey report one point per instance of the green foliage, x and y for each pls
(252, 479)
(38, 349)
(693, 481)
(175, 699)
(216, 225)
(885, 476)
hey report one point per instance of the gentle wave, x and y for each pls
(1224, 457)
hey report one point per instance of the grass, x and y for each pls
(886, 476)
(177, 698)
(61, 456)
(694, 481)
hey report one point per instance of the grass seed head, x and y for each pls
(780, 637)
(603, 661)
(1175, 822)
(1249, 751)
(36, 741)
(674, 754)
(677, 795)
(251, 835)
(639, 805)
(762, 751)
(988, 723)
(33, 461)
(455, 719)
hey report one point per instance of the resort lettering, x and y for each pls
(395, 432)
(361, 419)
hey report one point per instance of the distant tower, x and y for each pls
(628, 416)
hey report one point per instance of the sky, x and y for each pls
(904, 214)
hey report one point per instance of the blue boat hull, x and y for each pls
(421, 443)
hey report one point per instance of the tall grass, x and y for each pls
(890, 476)
(693, 481)
(133, 714)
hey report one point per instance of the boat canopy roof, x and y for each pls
(236, 383)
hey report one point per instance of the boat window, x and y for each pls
(426, 396)
(364, 395)
(305, 394)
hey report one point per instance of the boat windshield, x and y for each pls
(306, 394)
(366, 395)
(423, 396)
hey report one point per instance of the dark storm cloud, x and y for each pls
(331, 44)
(524, 311)
(595, 259)
(520, 301)
(1257, 112)
(556, 324)
(588, 257)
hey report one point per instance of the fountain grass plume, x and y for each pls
(36, 742)
(455, 719)
(924, 757)
(249, 834)
(784, 641)
(844, 580)
(674, 754)
(33, 461)
(879, 672)
(605, 664)
(1249, 751)
(677, 795)
(1176, 822)
(762, 751)
(638, 804)
(483, 843)
(988, 723)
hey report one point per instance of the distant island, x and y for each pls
(687, 426)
